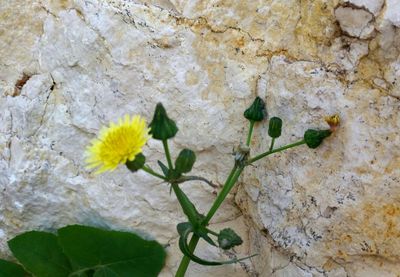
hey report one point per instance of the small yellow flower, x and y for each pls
(117, 143)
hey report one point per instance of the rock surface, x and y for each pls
(69, 67)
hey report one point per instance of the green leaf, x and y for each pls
(201, 232)
(185, 161)
(111, 253)
(164, 168)
(105, 272)
(227, 239)
(9, 269)
(188, 207)
(40, 254)
(182, 227)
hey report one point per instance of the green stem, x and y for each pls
(167, 154)
(186, 260)
(195, 239)
(272, 144)
(258, 157)
(212, 232)
(249, 135)
(222, 195)
(152, 172)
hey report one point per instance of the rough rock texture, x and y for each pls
(69, 67)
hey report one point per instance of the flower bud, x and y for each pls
(227, 239)
(162, 127)
(333, 121)
(314, 138)
(275, 127)
(137, 163)
(185, 161)
(257, 111)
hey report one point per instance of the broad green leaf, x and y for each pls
(111, 253)
(105, 272)
(40, 254)
(9, 269)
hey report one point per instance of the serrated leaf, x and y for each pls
(109, 252)
(227, 239)
(40, 254)
(9, 269)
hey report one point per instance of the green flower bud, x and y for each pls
(257, 111)
(314, 138)
(275, 127)
(227, 239)
(137, 163)
(162, 127)
(185, 161)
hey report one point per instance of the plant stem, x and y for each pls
(212, 232)
(152, 172)
(229, 183)
(167, 154)
(195, 239)
(185, 260)
(272, 144)
(258, 157)
(249, 135)
(222, 195)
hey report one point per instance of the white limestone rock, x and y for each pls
(69, 67)
(373, 6)
(355, 22)
(392, 13)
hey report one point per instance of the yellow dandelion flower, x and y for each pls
(117, 143)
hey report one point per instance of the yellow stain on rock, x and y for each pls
(370, 229)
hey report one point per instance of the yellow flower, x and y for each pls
(117, 143)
